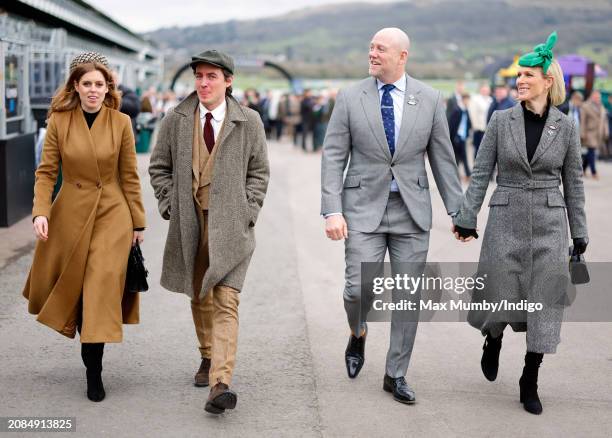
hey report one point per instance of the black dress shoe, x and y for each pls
(490, 357)
(354, 356)
(400, 389)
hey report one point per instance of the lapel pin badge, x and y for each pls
(411, 100)
(553, 127)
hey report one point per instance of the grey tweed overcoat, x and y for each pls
(525, 243)
(237, 191)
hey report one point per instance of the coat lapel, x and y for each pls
(233, 115)
(187, 108)
(517, 129)
(184, 170)
(370, 101)
(410, 113)
(195, 151)
(551, 128)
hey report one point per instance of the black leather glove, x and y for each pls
(466, 232)
(580, 245)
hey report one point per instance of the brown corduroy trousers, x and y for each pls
(215, 317)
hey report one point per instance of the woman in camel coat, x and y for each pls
(78, 274)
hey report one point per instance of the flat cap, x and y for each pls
(214, 57)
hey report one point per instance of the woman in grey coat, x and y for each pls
(525, 249)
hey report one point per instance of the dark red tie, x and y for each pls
(209, 134)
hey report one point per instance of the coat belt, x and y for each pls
(530, 184)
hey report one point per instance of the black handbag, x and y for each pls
(579, 272)
(136, 277)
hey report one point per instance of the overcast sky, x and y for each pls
(146, 15)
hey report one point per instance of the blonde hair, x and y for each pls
(67, 98)
(556, 93)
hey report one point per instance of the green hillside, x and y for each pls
(449, 38)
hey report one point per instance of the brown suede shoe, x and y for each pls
(220, 399)
(201, 377)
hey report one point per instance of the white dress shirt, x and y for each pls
(397, 94)
(218, 115)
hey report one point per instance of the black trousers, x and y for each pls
(460, 155)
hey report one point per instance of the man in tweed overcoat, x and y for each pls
(210, 174)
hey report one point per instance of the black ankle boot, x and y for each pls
(528, 383)
(490, 356)
(92, 358)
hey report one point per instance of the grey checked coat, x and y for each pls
(525, 244)
(238, 187)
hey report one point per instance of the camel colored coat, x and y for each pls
(78, 274)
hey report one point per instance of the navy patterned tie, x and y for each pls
(388, 118)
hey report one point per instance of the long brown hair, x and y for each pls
(67, 98)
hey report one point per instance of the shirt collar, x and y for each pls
(400, 84)
(218, 113)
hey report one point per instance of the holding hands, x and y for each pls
(464, 234)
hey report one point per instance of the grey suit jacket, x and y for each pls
(356, 131)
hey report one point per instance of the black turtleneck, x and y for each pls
(90, 117)
(534, 125)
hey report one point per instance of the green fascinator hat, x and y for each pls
(541, 56)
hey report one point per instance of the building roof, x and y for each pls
(80, 17)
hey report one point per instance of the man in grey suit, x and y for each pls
(385, 124)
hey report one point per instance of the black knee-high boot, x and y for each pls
(92, 358)
(490, 356)
(529, 383)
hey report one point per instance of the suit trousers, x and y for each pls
(215, 317)
(406, 243)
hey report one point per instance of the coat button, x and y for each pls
(392, 164)
(78, 185)
(99, 185)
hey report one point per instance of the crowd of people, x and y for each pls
(303, 118)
